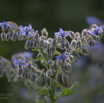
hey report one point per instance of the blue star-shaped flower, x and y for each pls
(62, 57)
(62, 33)
(27, 30)
(19, 63)
(4, 25)
(97, 30)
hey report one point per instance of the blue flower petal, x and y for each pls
(63, 54)
(66, 35)
(96, 28)
(4, 23)
(58, 57)
(65, 59)
(60, 37)
(59, 60)
(57, 34)
(23, 61)
(29, 27)
(99, 32)
(22, 32)
(28, 34)
(90, 32)
(67, 32)
(16, 61)
(31, 31)
(16, 64)
(24, 64)
(21, 67)
(61, 31)
(10, 26)
(22, 28)
(94, 33)
(2, 26)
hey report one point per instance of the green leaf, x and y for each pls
(57, 53)
(39, 59)
(36, 49)
(57, 84)
(70, 91)
(43, 92)
(57, 95)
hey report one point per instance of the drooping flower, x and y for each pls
(97, 31)
(62, 33)
(62, 57)
(19, 63)
(4, 25)
(26, 30)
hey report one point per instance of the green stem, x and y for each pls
(52, 92)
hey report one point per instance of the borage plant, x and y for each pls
(56, 65)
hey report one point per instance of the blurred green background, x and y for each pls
(51, 14)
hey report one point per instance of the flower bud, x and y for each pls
(53, 42)
(93, 42)
(68, 68)
(50, 39)
(41, 43)
(3, 36)
(49, 73)
(11, 78)
(63, 66)
(46, 44)
(31, 43)
(52, 50)
(49, 62)
(79, 44)
(33, 77)
(72, 35)
(85, 51)
(71, 58)
(77, 34)
(34, 70)
(43, 76)
(22, 37)
(27, 45)
(25, 74)
(37, 36)
(67, 45)
(63, 44)
(76, 54)
(90, 42)
(65, 79)
(73, 44)
(44, 32)
(29, 66)
(84, 33)
(55, 66)
(3, 73)
(7, 36)
(20, 72)
(97, 39)
(15, 36)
